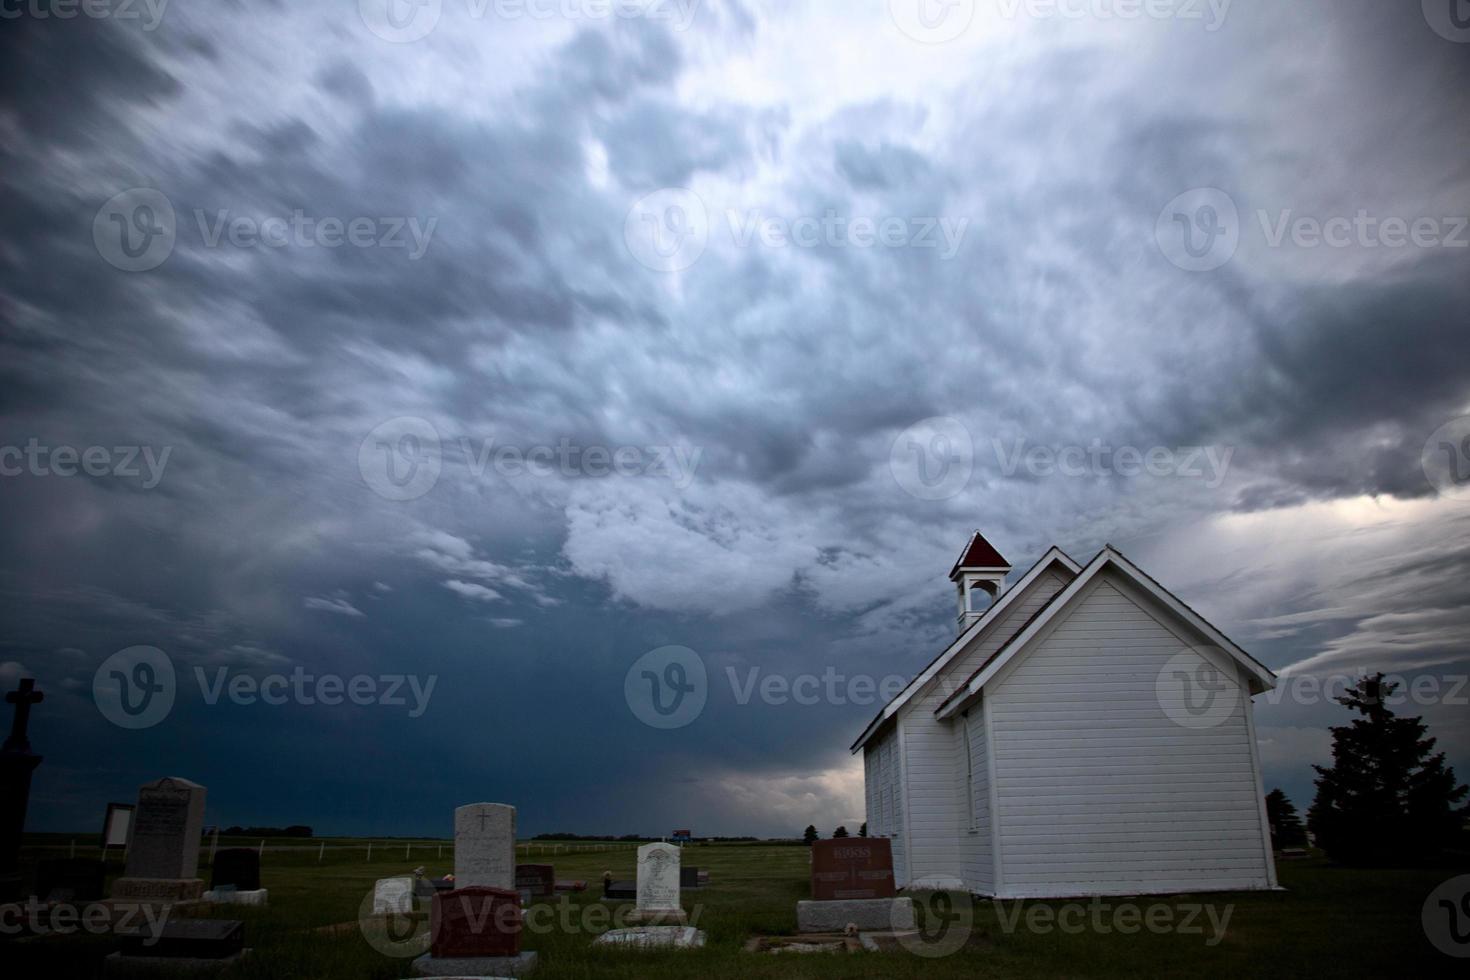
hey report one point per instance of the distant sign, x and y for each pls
(682, 836)
(116, 824)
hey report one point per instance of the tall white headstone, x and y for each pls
(485, 846)
(163, 844)
(658, 882)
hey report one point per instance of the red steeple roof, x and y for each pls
(979, 553)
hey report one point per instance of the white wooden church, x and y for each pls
(1087, 733)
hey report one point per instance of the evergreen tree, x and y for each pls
(1286, 826)
(1387, 797)
(863, 830)
(811, 835)
(839, 833)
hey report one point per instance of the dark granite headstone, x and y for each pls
(70, 880)
(689, 878)
(852, 868)
(203, 939)
(429, 887)
(475, 923)
(539, 880)
(238, 866)
(619, 890)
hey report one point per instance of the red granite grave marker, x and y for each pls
(852, 868)
(538, 880)
(473, 923)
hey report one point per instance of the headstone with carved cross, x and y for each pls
(485, 846)
(475, 929)
(17, 763)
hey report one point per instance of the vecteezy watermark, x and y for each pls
(136, 688)
(397, 922)
(670, 229)
(1210, 13)
(932, 21)
(1450, 19)
(933, 459)
(149, 11)
(332, 690)
(402, 460)
(137, 230)
(936, 458)
(405, 21)
(1207, 463)
(1201, 230)
(1446, 458)
(1197, 688)
(944, 919)
(1102, 917)
(1420, 690)
(1446, 917)
(35, 459)
(1362, 230)
(667, 688)
(37, 917)
(829, 687)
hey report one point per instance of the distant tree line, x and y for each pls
(293, 831)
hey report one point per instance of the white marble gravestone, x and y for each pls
(393, 896)
(163, 843)
(485, 846)
(658, 885)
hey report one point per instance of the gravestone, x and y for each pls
(206, 939)
(689, 878)
(393, 896)
(70, 880)
(852, 884)
(852, 868)
(188, 947)
(485, 846)
(536, 880)
(235, 878)
(618, 891)
(658, 886)
(237, 866)
(17, 763)
(475, 930)
(476, 923)
(163, 846)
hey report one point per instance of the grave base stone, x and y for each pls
(869, 915)
(657, 917)
(488, 968)
(229, 895)
(653, 937)
(161, 890)
(149, 967)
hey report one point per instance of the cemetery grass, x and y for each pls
(1330, 922)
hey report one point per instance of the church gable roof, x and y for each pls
(1055, 558)
(1108, 558)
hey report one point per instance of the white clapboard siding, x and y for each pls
(884, 792)
(977, 867)
(939, 846)
(1097, 790)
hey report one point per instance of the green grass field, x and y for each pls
(1330, 922)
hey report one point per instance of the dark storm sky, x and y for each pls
(783, 536)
